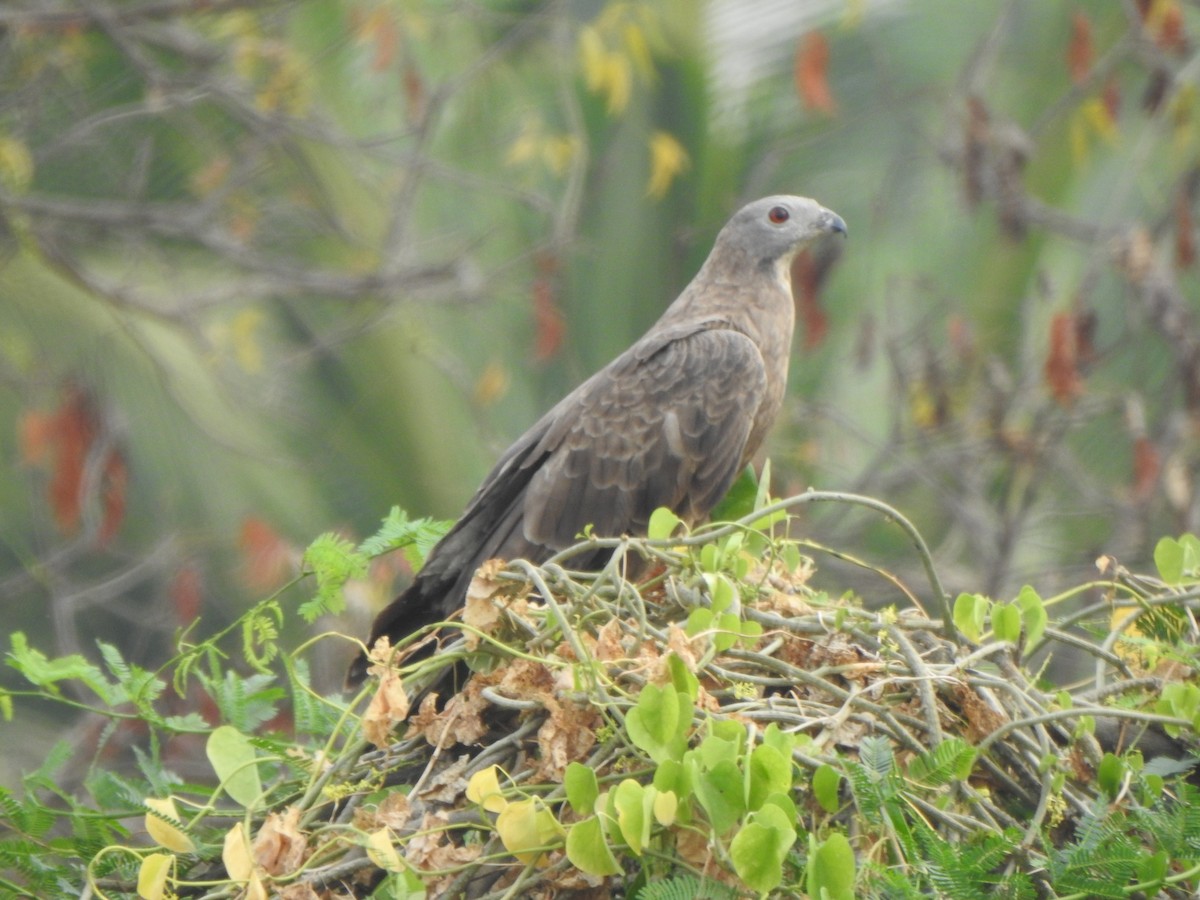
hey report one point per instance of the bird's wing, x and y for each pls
(666, 424)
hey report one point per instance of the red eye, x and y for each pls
(779, 215)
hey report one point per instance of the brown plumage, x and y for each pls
(670, 422)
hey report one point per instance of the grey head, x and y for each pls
(773, 229)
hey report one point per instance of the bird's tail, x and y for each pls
(419, 605)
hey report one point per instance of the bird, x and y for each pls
(668, 423)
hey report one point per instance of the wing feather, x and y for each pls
(667, 428)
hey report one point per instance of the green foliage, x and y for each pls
(414, 537)
(682, 761)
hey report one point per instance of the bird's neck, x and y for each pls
(754, 295)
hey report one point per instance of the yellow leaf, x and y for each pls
(153, 874)
(527, 826)
(484, 789)
(922, 405)
(1100, 119)
(618, 82)
(382, 852)
(242, 334)
(16, 164)
(667, 160)
(523, 149)
(1077, 131)
(491, 385)
(166, 834)
(236, 854)
(639, 50)
(559, 151)
(591, 57)
(255, 889)
(665, 806)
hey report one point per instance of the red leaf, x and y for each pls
(266, 557)
(1112, 99)
(1079, 49)
(36, 439)
(187, 593)
(113, 488)
(414, 93)
(64, 441)
(811, 73)
(961, 338)
(73, 431)
(1146, 465)
(549, 325)
(1171, 35)
(1185, 240)
(1061, 369)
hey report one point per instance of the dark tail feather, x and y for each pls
(419, 605)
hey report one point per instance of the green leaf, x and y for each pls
(234, 760)
(662, 524)
(403, 885)
(334, 561)
(1168, 559)
(1033, 616)
(739, 501)
(1110, 774)
(582, 787)
(659, 721)
(826, 782)
(699, 621)
(588, 851)
(1006, 622)
(785, 804)
(774, 736)
(970, 612)
(749, 633)
(632, 818)
(1179, 699)
(1152, 870)
(721, 591)
(682, 678)
(45, 672)
(760, 847)
(671, 775)
(831, 868)
(416, 537)
(728, 630)
(770, 773)
(717, 748)
(721, 793)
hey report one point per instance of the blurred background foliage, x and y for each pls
(269, 268)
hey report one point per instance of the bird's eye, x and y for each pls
(779, 215)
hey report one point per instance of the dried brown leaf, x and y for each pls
(301, 891)
(448, 784)
(280, 847)
(388, 708)
(479, 610)
(1185, 231)
(1146, 466)
(981, 719)
(1061, 369)
(461, 722)
(567, 735)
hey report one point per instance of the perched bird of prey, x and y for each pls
(670, 422)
